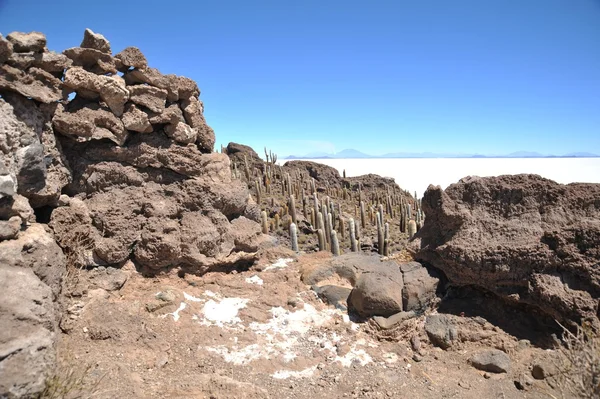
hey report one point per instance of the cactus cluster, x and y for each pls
(308, 209)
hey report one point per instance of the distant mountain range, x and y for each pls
(351, 153)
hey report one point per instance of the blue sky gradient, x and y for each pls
(462, 76)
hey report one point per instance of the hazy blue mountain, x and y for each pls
(524, 154)
(582, 155)
(350, 153)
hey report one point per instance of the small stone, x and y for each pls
(132, 57)
(492, 360)
(441, 330)
(543, 370)
(415, 343)
(25, 42)
(417, 358)
(524, 382)
(95, 41)
(7, 186)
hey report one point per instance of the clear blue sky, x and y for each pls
(479, 76)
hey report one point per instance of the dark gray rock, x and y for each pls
(333, 295)
(493, 360)
(441, 330)
(377, 294)
(419, 287)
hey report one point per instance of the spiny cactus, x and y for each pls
(292, 207)
(412, 228)
(321, 240)
(335, 245)
(380, 236)
(264, 222)
(363, 219)
(294, 237)
(351, 230)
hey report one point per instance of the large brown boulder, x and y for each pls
(525, 238)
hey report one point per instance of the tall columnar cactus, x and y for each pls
(326, 230)
(321, 240)
(316, 201)
(264, 222)
(258, 193)
(294, 237)
(386, 240)
(341, 227)
(292, 207)
(335, 245)
(313, 218)
(380, 236)
(329, 226)
(363, 219)
(246, 170)
(276, 221)
(304, 208)
(320, 221)
(313, 186)
(412, 228)
(351, 230)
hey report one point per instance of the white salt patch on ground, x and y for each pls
(390, 357)
(280, 337)
(175, 314)
(223, 312)
(211, 294)
(192, 298)
(285, 374)
(254, 280)
(280, 264)
(353, 355)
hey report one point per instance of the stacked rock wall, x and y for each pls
(117, 159)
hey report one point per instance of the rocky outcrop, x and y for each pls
(121, 167)
(525, 238)
(379, 288)
(324, 175)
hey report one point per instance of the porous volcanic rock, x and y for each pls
(29, 150)
(25, 42)
(31, 270)
(35, 83)
(525, 238)
(95, 41)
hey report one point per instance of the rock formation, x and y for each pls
(525, 238)
(118, 158)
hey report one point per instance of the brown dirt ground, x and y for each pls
(225, 335)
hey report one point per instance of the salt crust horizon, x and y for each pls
(416, 174)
